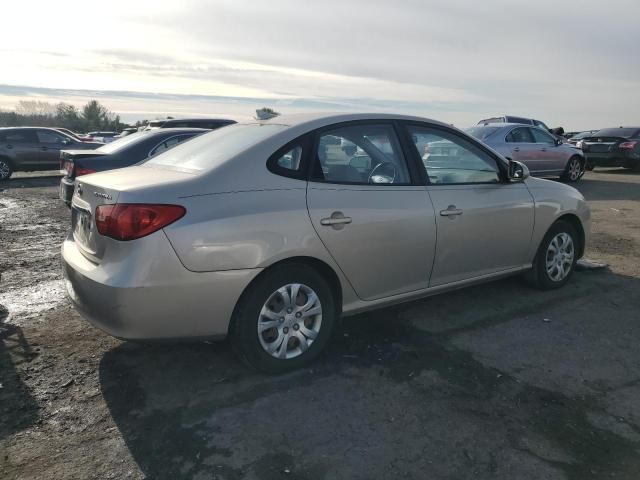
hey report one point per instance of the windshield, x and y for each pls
(617, 132)
(211, 149)
(582, 135)
(121, 143)
(481, 132)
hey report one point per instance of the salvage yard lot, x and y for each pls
(495, 381)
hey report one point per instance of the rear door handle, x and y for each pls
(516, 149)
(337, 220)
(543, 149)
(451, 211)
(44, 148)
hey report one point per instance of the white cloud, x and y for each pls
(572, 63)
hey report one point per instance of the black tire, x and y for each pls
(244, 324)
(538, 276)
(6, 169)
(570, 174)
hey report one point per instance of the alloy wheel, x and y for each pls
(5, 170)
(289, 321)
(575, 169)
(559, 258)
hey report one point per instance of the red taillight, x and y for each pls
(627, 145)
(128, 221)
(83, 171)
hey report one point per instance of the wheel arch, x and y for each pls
(318, 265)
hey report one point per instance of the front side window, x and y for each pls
(360, 154)
(45, 136)
(449, 159)
(540, 136)
(519, 135)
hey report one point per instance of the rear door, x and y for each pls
(484, 223)
(369, 209)
(22, 145)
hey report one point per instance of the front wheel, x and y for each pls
(556, 258)
(5, 169)
(574, 170)
(285, 319)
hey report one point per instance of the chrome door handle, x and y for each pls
(543, 149)
(451, 211)
(516, 149)
(337, 220)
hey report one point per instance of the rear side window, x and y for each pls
(211, 149)
(519, 120)
(519, 135)
(168, 144)
(21, 136)
(360, 154)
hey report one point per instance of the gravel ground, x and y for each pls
(496, 381)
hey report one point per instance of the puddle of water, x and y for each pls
(27, 302)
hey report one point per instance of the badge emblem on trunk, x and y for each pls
(102, 195)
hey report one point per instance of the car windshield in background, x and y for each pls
(120, 143)
(582, 135)
(481, 132)
(208, 150)
(617, 132)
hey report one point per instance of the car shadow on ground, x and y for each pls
(31, 182)
(393, 396)
(18, 408)
(596, 188)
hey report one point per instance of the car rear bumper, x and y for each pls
(131, 301)
(612, 159)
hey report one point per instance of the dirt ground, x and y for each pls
(496, 381)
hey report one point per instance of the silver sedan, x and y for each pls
(269, 231)
(544, 154)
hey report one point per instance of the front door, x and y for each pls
(369, 210)
(551, 157)
(484, 224)
(50, 144)
(524, 149)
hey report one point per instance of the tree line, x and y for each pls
(36, 113)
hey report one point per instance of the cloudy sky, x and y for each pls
(567, 62)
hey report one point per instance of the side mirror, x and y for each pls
(558, 142)
(66, 141)
(518, 172)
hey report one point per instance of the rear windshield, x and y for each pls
(617, 132)
(208, 150)
(121, 143)
(481, 132)
(582, 135)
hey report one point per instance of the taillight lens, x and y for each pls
(83, 171)
(128, 221)
(627, 145)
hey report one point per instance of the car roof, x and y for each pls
(200, 119)
(165, 131)
(320, 119)
(504, 125)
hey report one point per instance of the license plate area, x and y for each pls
(82, 225)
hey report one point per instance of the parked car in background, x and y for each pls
(613, 147)
(74, 135)
(208, 123)
(576, 137)
(120, 153)
(268, 231)
(514, 119)
(27, 149)
(540, 151)
(104, 137)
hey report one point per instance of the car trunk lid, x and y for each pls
(127, 185)
(601, 144)
(69, 158)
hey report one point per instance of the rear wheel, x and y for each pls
(285, 319)
(556, 257)
(5, 169)
(574, 170)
